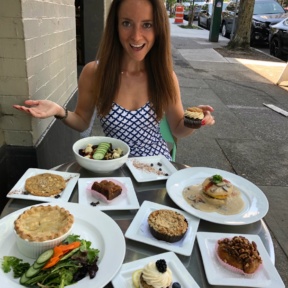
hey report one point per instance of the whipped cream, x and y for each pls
(156, 279)
(194, 114)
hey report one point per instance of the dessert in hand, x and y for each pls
(193, 117)
(167, 225)
(238, 252)
(216, 189)
(107, 188)
(156, 275)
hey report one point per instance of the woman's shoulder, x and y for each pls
(90, 67)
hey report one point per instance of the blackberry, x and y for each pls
(176, 285)
(161, 265)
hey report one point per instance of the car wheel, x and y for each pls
(275, 47)
(224, 30)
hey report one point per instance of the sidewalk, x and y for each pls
(248, 138)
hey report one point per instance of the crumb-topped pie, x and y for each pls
(167, 225)
(42, 223)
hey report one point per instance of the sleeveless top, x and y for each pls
(140, 129)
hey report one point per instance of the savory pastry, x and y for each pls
(167, 225)
(45, 184)
(217, 189)
(238, 252)
(108, 189)
(156, 274)
(193, 117)
(42, 223)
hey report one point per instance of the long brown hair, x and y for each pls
(158, 62)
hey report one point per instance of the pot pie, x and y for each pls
(45, 184)
(42, 223)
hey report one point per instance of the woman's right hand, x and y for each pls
(40, 108)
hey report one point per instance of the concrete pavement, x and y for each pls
(248, 139)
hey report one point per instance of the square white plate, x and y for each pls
(160, 168)
(123, 279)
(19, 189)
(139, 230)
(126, 201)
(265, 276)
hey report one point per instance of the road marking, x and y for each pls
(277, 109)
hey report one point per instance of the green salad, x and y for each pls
(65, 264)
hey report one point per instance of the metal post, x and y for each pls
(215, 21)
(234, 20)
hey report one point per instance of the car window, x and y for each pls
(267, 7)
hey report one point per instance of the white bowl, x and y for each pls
(100, 166)
(34, 249)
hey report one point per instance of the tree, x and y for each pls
(171, 4)
(241, 40)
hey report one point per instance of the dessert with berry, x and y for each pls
(167, 225)
(156, 275)
(193, 117)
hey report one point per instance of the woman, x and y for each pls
(132, 84)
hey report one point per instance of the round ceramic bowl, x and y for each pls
(34, 249)
(100, 166)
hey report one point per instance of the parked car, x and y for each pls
(187, 9)
(265, 13)
(205, 15)
(278, 39)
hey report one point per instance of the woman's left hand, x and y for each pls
(208, 117)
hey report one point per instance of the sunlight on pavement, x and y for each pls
(267, 69)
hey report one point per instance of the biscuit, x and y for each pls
(45, 184)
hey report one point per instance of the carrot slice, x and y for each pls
(59, 251)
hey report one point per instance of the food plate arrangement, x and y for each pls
(255, 202)
(123, 279)
(126, 201)
(265, 276)
(139, 230)
(99, 232)
(18, 191)
(150, 168)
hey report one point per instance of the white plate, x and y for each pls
(255, 202)
(139, 230)
(18, 190)
(126, 201)
(92, 225)
(265, 276)
(143, 176)
(123, 279)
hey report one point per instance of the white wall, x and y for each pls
(37, 61)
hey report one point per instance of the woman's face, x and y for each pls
(135, 28)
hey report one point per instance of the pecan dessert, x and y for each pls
(240, 253)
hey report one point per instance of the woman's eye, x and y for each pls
(147, 25)
(126, 23)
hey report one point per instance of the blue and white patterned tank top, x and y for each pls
(139, 129)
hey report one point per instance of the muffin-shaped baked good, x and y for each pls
(156, 274)
(193, 117)
(240, 253)
(45, 184)
(167, 225)
(216, 189)
(42, 223)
